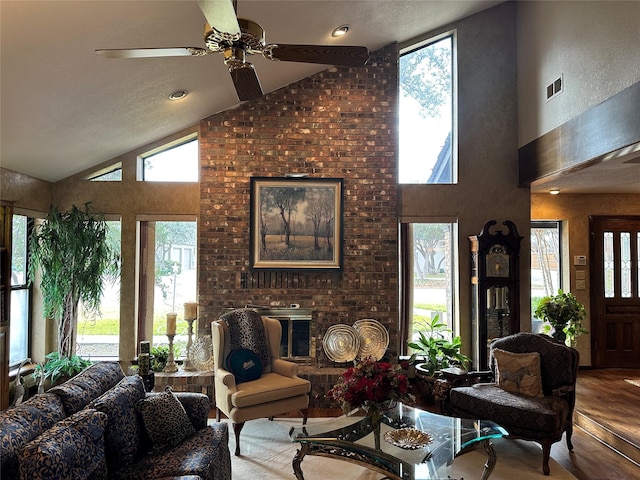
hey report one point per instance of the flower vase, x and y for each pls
(374, 414)
(376, 435)
(559, 333)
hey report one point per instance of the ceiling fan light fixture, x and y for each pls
(178, 95)
(340, 31)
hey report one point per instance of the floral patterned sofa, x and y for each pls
(102, 424)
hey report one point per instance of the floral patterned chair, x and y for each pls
(533, 393)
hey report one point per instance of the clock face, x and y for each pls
(497, 262)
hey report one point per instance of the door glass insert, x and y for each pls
(608, 270)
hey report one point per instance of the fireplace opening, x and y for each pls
(297, 343)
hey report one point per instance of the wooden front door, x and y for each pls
(615, 292)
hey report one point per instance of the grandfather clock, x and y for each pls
(495, 288)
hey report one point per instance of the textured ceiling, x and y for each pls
(65, 109)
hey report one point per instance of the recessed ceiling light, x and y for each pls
(340, 31)
(178, 95)
(554, 191)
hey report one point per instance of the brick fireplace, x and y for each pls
(338, 123)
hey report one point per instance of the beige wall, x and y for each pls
(487, 153)
(30, 195)
(574, 211)
(592, 44)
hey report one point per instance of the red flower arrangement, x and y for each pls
(370, 384)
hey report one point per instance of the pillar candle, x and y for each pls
(171, 323)
(145, 347)
(190, 310)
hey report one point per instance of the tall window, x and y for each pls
(175, 276)
(20, 292)
(428, 285)
(427, 144)
(100, 337)
(545, 264)
(178, 163)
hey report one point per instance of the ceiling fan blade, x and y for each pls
(326, 54)
(246, 82)
(221, 15)
(152, 52)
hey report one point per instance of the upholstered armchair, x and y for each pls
(251, 380)
(533, 393)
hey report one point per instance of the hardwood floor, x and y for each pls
(608, 407)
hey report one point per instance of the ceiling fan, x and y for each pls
(236, 38)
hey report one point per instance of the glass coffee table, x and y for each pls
(351, 438)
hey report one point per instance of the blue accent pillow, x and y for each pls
(244, 364)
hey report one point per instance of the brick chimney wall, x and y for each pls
(339, 123)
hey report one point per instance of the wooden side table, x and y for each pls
(181, 381)
(449, 378)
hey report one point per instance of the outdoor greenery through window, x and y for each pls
(100, 337)
(545, 265)
(432, 269)
(175, 278)
(175, 164)
(20, 292)
(427, 152)
(112, 174)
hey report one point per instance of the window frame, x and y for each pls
(166, 147)
(24, 286)
(413, 45)
(407, 257)
(546, 224)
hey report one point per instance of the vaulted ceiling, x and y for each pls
(65, 109)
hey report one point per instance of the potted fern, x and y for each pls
(73, 254)
(434, 351)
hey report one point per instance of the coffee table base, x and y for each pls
(367, 462)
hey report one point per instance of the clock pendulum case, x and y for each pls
(495, 288)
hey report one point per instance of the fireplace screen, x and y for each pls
(297, 342)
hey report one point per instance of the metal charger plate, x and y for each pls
(408, 438)
(374, 338)
(341, 343)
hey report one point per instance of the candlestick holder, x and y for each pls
(171, 366)
(188, 361)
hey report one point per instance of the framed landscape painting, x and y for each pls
(296, 223)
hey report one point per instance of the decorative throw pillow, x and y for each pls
(165, 420)
(73, 448)
(244, 364)
(122, 435)
(518, 372)
(246, 330)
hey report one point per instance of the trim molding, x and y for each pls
(583, 140)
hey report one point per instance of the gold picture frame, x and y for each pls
(296, 223)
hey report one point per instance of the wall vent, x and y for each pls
(555, 87)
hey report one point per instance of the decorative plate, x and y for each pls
(202, 353)
(374, 338)
(341, 343)
(408, 438)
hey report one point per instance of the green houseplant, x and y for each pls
(437, 351)
(74, 256)
(563, 315)
(60, 367)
